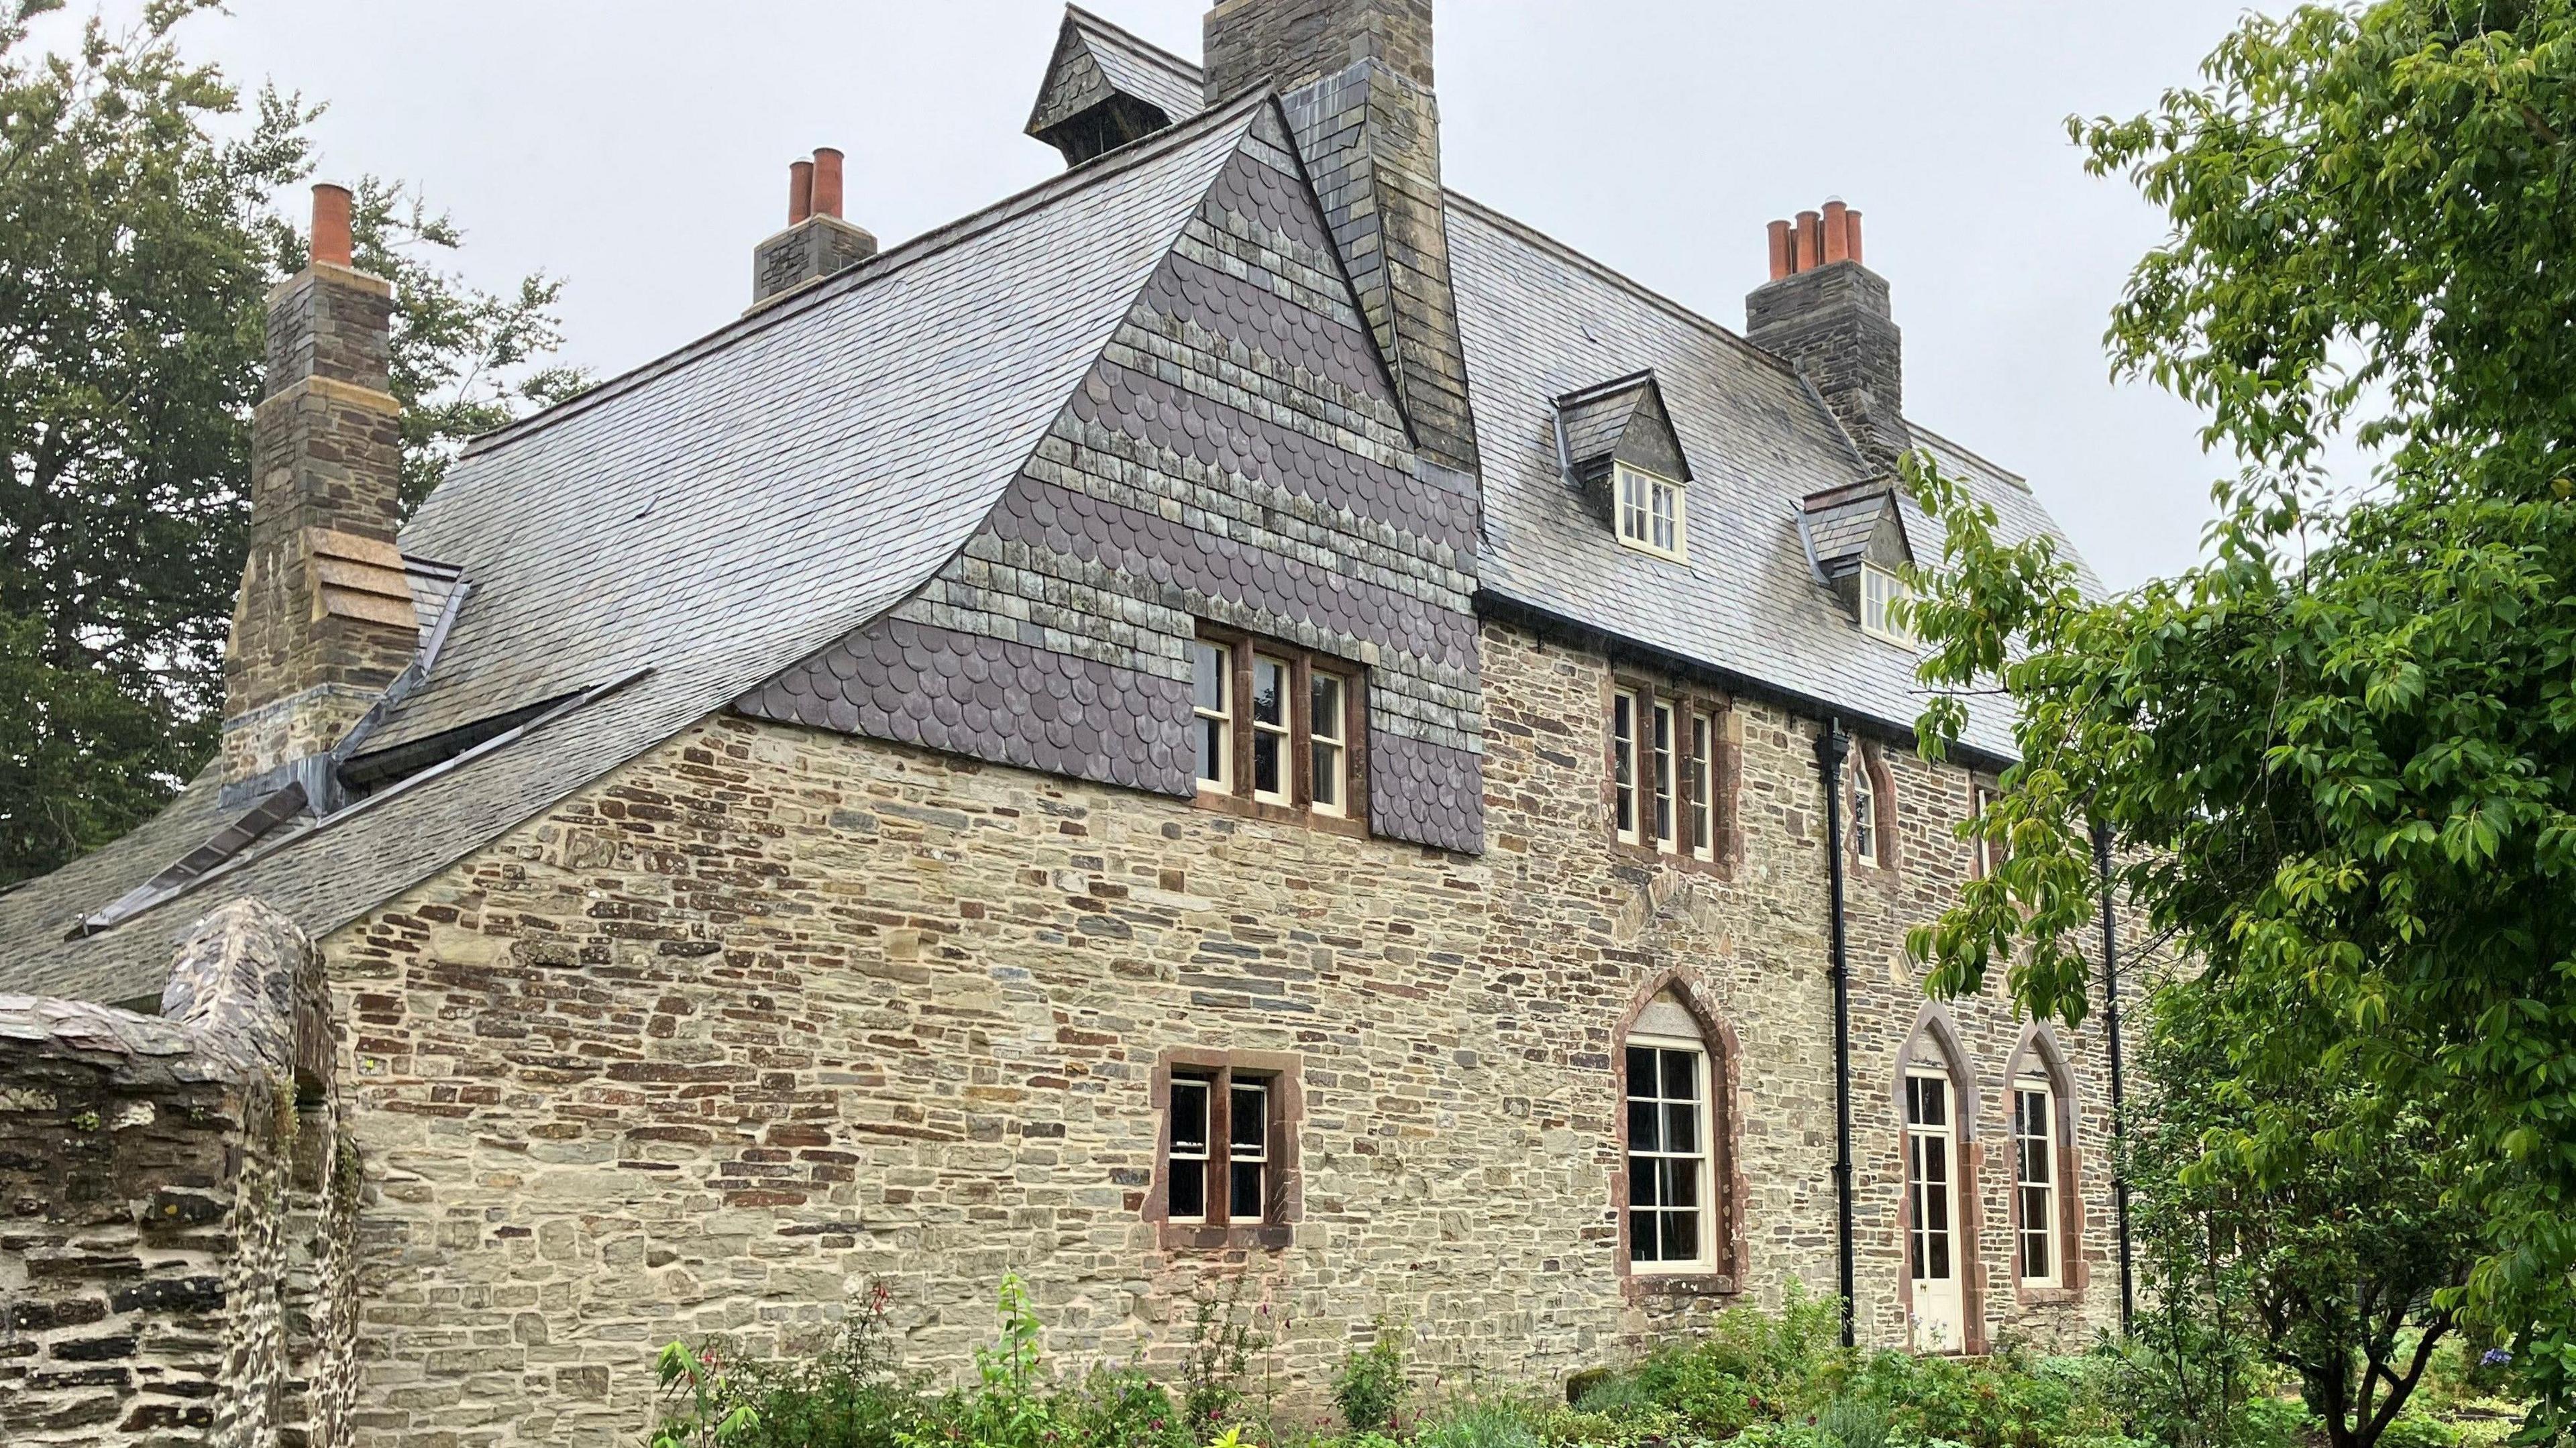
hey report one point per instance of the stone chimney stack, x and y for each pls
(1355, 76)
(1827, 313)
(817, 242)
(324, 619)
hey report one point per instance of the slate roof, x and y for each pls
(1541, 320)
(1596, 419)
(1839, 524)
(1137, 67)
(675, 536)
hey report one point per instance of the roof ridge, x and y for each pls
(885, 263)
(1615, 277)
(1116, 31)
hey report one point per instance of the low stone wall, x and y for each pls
(176, 1207)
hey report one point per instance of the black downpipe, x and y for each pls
(2119, 1097)
(1833, 748)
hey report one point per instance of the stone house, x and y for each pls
(1235, 716)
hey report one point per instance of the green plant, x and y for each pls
(1222, 1344)
(1483, 1420)
(1370, 1388)
(1854, 1421)
(701, 1400)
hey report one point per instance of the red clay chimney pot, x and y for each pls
(800, 191)
(1851, 232)
(331, 225)
(1811, 241)
(1779, 250)
(1837, 237)
(827, 182)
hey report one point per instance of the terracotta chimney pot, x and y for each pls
(1779, 250)
(827, 182)
(1837, 232)
(1811, 241)
(800, 191)
(331, 244)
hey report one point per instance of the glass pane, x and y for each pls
(1328, 774)
(1681, 1127)
(1269, 691)
(1207, 676)
(1324, 707)
(1681, 1075)
(1642, 1133)
(1265, 764)
(1248, 1122)
(1189, 1188)
(1212, 750)
(1641, 1071)
(1244, 1203)
(1681, 1236)
(1189, 1116)
(1644, 1243)
(1681, 1183)
(1940, 1260)
(1644, 1181)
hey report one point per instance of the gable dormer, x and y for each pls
(1105, 87)
(1616, 443)
(1857, 543)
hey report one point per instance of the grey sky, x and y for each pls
(639, 148)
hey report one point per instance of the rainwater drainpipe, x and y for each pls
(2119, 1100)
(1833, 748)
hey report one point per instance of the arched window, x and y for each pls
(1937, 1105)
(1674, 1214)
(1864, 811)
(2047, 1217)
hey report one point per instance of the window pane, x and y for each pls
(1211, 750)
(1681, 1127)
(1265, 764)
(1681, 1182)
(1681, 1075)
(1663, 757)
(1643, 1132)
(1244, 1204)
(1189, 1188)
(1269, 691)
(1667, 511)
(1645, 1178)
(1328, 776)
(1207, 676)
(1644, 1243)
(1681, 1236)
(1248, 1122)
(1189, 1116)
(1324, 712)
(1703, 831)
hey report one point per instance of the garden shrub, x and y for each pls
(1370, 1388)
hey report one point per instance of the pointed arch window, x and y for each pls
(1936, 1100)
(1675, 1217)
(2047, 1210)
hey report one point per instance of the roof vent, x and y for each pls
(817, 242)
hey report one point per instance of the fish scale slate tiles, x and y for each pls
(684, 533)
(993, 699)
(1237, 455)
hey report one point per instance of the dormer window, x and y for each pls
(1879, 590)
(1651, 512)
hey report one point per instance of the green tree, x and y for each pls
(137, 242)
(2339, 755)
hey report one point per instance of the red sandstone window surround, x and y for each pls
(1225, 1172)
(1672, 772)
(1278, 732)
(1676, 1191)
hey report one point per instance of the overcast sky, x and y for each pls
(637, 148)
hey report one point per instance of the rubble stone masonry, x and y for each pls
(774, 1012)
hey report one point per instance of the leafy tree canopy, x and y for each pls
(137, 243)
(2338, 756)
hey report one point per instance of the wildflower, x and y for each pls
(2497, 1357)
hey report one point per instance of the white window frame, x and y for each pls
(1240, 1155)
(1222, 716)
(1206, 1086)
(1980, 800)
(2035, 1191)
(1648, 502)
(1878, 589)
(1705, 1171)
(1328, 755)
(1703, 781)
(1664, 783)
(1627, 799)
(1283, 731)
(1864, 810)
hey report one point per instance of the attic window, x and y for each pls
(1878, 590)
(1651, 512)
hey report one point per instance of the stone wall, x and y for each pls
(176, 1209)
(774, 1013)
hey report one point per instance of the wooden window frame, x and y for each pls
(1710, 1211)
(1283, 1206)
(1651, 485)
(1224, 714)
(2040, 1058)
(1688, 846)
(1720, 1275)
(2051, 1238)
(1869, 770)
(1298, 748)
